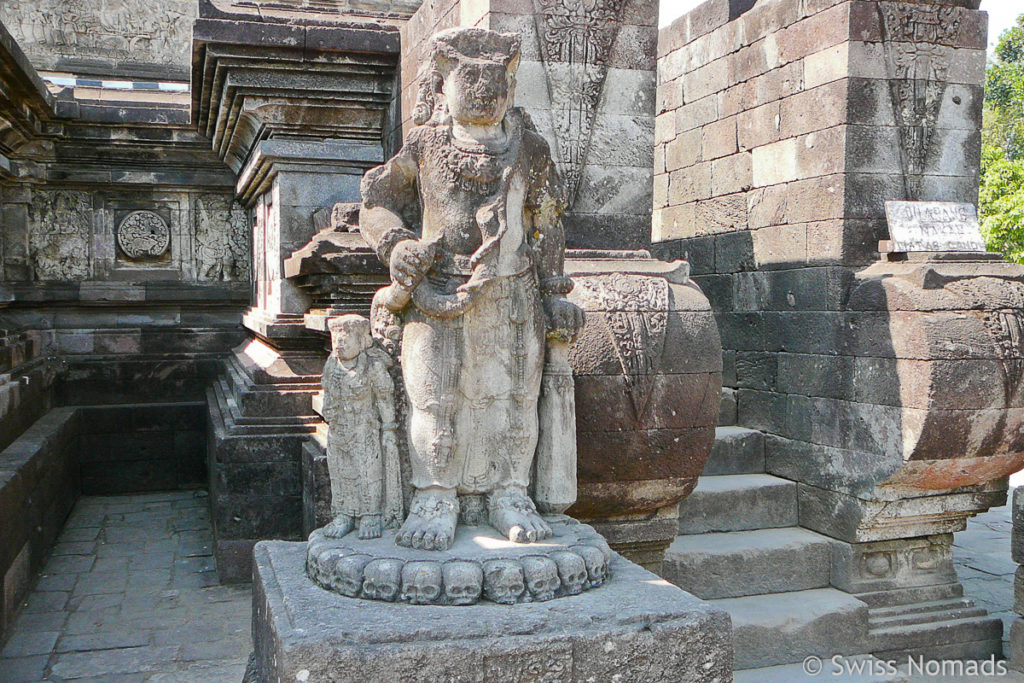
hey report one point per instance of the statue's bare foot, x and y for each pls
(431, 521)
(514, 515)
(339, 527)
(369, 526)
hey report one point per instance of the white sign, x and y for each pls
(933, 226)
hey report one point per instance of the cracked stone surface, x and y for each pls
(130, 593)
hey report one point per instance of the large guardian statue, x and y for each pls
(468, 218)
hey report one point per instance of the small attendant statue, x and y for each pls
(362, 454)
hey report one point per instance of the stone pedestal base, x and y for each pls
(636, 627)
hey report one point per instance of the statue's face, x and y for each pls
(347, 345)
(478, 93)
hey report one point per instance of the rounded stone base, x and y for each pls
(480, 565)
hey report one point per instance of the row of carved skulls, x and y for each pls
(533, 578)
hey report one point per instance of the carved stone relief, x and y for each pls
(60, 230)
(576, 40)
(637, 309)
(143, 234)
(222, 239)
(917, 38)
(134, 31)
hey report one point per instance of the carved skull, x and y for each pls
(322, 565)
(541, 577)
(381, 579)
(597, 567)
(463, 582)
(421, 582)
(347, 577)
(572, 571)
(503, 581)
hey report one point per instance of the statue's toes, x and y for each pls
(428, 540)
(517, 534)
(417, 539)
(543, 529)
(442, 542)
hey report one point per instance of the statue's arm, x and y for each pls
(547, 204)
(387, 192)
(330, 408)
(384, 395)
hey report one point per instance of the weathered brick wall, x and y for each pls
(777, 140)
(777, 143)
(783, 128)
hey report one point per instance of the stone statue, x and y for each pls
(468, 218)
(362, 453)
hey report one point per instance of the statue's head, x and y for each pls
(471, 76)
(350, 335)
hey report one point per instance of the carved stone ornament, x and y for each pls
(143, 234)
(918, 39)
(576, 40)
(480, 565)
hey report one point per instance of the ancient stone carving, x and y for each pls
(572, 571)
(637, 309)
(60, 231)
(463, 582)
(541, 575)
(129, 30)
(576, 39)
(477, 287)
(421, 582)
(484, 566)
(382, 579)
(143, 234)
(916, 38)
(222, 239)
(503, 581)
(362, 454)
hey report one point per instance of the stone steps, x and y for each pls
(783, 628)
(737, 450)
(735, 564)
(922, 613)
(969, 637)
(762, 501)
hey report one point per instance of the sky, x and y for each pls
(1002, 14)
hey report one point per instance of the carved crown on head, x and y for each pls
(455, 45)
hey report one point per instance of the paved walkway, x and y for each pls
(983, 563)
(130, 594)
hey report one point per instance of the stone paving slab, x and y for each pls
(130, 593)
(984, 566)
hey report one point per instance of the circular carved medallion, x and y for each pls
(143, 234)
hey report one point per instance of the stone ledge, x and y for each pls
(633, 628)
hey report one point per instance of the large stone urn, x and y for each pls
(648, 373)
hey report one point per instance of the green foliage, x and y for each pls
(1001, 198)
(1002, 202)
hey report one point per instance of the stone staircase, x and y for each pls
(740, 546)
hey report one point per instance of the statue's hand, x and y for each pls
(410, 261)
(564, 318)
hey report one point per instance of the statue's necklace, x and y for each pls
(472, 167)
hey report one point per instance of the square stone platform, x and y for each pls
(636, 627)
